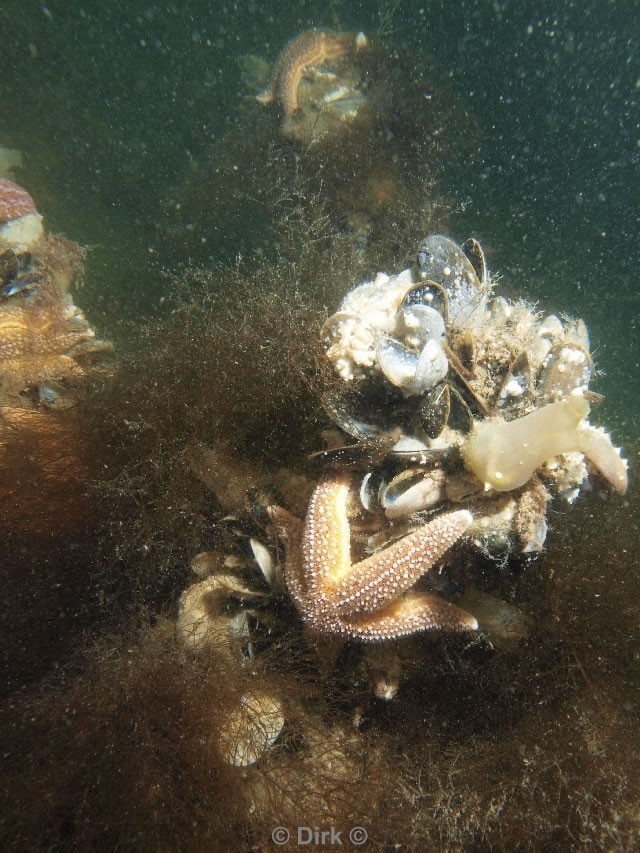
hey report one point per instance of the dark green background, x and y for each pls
(110, 102)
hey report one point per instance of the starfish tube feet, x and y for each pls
(409, 614)
(371, 600)
(386, 575)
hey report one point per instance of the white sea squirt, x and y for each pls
(504, 455)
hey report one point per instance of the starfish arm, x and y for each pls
(267, 96)
(411, 613)
(312, 47)
(326, 542)
(289, 530)
(384, 576)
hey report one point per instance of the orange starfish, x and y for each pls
(371, 600)
(312, 47)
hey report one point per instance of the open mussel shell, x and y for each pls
(568, 366)
(474, 252)
(413, 372)
(427, 294)
(460, 414)
(419, 324)
(398, 363)
(411, 491)
(443, 261)
(444, 406)
(370, 487)
(434, 410)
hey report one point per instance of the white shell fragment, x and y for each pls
(23, 233)
(264, 559)
(251, 729)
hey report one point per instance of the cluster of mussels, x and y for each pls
(469, 412)
(467, 397)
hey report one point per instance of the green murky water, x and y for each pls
(115, 104)
(112, 103)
